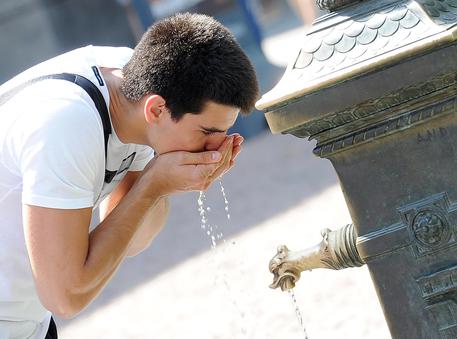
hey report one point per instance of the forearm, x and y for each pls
(154, 219)
(71, 267)
(153, 222)
(122, 233)
(108, 244)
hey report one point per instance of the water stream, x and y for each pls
(216, 238)
(211, 230)
(225, 199)
(298, 312)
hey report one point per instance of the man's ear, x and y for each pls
(154, 108)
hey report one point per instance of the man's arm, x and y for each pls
(71, 267)
(153, 222)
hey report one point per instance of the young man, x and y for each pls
(175, 96)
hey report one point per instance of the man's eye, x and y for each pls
(208, 133)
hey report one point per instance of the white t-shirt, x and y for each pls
(52, 154)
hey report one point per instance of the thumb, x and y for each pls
(208, 157)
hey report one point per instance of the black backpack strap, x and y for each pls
(97, 98)
(84, 83)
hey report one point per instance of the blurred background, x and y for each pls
(35, 30)
(278, 193)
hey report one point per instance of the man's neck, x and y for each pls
(122, 111)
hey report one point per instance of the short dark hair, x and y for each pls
(190, 59)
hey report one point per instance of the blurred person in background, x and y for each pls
(132, 18)
(134, 126)
(306, 10)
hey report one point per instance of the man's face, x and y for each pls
(195, 132)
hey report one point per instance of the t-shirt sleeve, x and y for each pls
(143, 155)
(61, 154)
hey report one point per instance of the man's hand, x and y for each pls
(71, 268)
(226, 149)
(237, 141)
(230, 149)
(181, 171)
(153, 222)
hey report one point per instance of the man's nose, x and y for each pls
(215, 141)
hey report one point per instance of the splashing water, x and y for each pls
(225, 199)
(205, 226)
(297, 312)
(203, 210)
(210, 231)
(216, 238)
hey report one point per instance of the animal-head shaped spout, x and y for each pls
(285, 275)
(336, 251)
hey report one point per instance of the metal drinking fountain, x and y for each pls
(374, 83)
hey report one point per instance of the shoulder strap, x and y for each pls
(82, 82)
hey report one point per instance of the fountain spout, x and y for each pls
(336, 251)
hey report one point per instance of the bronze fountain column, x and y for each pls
(374, 83)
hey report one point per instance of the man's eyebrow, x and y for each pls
(212, 130)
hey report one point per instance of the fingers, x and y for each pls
(235, 152)
(210, 157)
(224, 146)
(227, 150)
(225, 163)
(210, 165)
(238, 140)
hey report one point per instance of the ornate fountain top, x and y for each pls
(358, 38)
(332, 5)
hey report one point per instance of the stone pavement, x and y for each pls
(278, 193)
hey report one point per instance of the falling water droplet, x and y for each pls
(298, 312)
(225, 199)
(215, 237)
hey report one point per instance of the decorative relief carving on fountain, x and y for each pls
(384, 128)
(434, 285)
(428, 224)
(374, 106)
(430, 230)
(439, 291)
